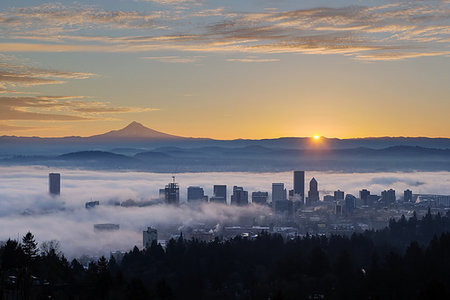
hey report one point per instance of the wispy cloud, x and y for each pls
(17, 75)
(57, 108)
(173, 2)
(5, 127)
(398, 55)
(252, 59)
(402, 29)
(174, 59)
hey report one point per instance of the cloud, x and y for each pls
(59, 18)
(62, 108)
(252, 59)
(172, 2)
(14, 79)
(388, 181)
(390, 56)
(19, 108)
(22, 75)
(65, 219)
(6, 127)
(174, 59)
(28, 106)
(101, 109)
(395, 31)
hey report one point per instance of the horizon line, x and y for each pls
(232, 139)
(174, 136)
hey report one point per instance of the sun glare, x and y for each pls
(316, 137)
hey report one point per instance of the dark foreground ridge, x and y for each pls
(410, 259)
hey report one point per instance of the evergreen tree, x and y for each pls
(29, 247)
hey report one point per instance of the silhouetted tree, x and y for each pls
(29, 247)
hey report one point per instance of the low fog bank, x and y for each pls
(25, 204)
(74, 228)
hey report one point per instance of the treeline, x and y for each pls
(409, 259)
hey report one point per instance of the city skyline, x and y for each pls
(225, 69)
(196, 194)
(131, 200)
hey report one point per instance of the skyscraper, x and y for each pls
(388, 197)
(54, 182)
(364, 196)
(350, 203)
(278, 192)
(239, 197)
(172, 193)
(285, 207)
(338, 195)
(299, 184)
(260, 198)
(220, 194)
(313, 193)
(372, 199)
(407, 196)
(195, 193)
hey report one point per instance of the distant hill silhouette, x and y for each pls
(136, 138)
(248, 158)
(93, 155)
(152, 155)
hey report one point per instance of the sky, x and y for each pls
(66, 220)
(226, 69)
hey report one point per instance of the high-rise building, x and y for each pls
(195, 193)
(260, 197)
(388, 197)
(338, 195)
(338, 208)
(313, 193)
(219, 194)
(239, 197)
(328, 198)
(372, 199)
(364, 196)
(162, 194)
(149, 236)
(54, 182)
(407, 196)
(350, 203)
(278, 192)
(284, 207)
(299, 184)
(172, 193)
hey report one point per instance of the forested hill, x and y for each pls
(410, 259)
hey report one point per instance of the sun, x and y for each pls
(316, 137)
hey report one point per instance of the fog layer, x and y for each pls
(25, 204)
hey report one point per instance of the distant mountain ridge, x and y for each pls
(137, 136)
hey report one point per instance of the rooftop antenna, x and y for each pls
(173, 179)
